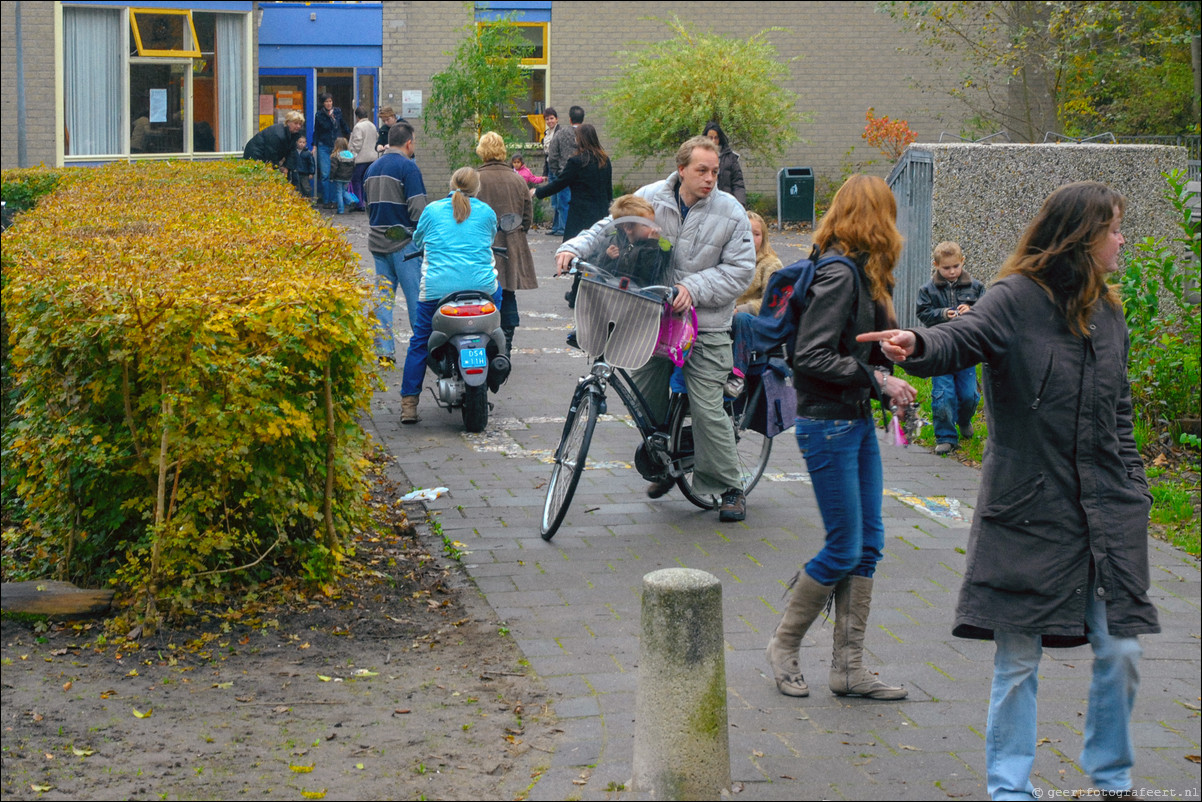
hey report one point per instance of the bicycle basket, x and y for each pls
(623, 326)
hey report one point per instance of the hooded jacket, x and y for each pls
(1063, 490)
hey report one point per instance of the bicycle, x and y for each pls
(666, 450)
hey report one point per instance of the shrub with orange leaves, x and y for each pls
(889, 136)
(190, 352)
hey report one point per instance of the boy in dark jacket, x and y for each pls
(301, 167)
(951, 292)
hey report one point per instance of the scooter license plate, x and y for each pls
(473, 358)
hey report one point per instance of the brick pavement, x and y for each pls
(573, 605)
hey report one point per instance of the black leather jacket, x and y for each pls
(831, 371)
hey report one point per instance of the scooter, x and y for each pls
(468, 351)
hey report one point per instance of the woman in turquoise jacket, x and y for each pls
(457, 234)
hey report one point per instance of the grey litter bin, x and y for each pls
(795, 195)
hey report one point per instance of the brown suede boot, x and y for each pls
(853, 598)
(409, 409)
(805, 603)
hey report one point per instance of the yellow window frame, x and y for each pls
(164, 12)
(528, 62)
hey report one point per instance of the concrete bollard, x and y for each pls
(681, 749)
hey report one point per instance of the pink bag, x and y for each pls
(676, 335)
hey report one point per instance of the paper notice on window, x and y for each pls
(158, 105)
(411, 103)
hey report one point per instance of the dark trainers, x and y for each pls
(660, 488)
(945, 448)
(966, 431)
(733, 506)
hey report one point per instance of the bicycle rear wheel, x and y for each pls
(752, 450)
(569, 459)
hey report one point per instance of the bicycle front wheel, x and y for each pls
(569, 460)
(752, 450)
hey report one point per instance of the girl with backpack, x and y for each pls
(837, 436)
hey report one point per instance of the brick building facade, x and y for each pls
(848, 60)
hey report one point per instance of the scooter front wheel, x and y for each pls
(569, 460)
(475, 408)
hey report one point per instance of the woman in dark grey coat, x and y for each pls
(1058, 553)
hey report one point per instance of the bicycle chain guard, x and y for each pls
(653, 465)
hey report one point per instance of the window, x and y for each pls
(535, 66)
(163, 33)
(166, 82)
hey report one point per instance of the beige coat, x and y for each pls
(506, 192)
(750, 300)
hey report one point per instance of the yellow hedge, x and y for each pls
(191, 354)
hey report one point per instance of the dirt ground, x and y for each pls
(403, 687)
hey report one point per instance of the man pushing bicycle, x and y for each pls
(713, 261)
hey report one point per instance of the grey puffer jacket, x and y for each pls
(713, 254)
(1063, 486)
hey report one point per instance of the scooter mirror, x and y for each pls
(399, 234)
(509, 222)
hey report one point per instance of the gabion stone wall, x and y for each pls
(984, 196)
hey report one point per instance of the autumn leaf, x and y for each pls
(301, 769)
(314, 794)
(139, 714)
(75, 750)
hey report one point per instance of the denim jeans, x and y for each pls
(340, 191)
(559, 205)
(419, 346)
(322, 188)
(844, 462)
(392, 269)
(953, 401)
(509, 310)
(1108, 752)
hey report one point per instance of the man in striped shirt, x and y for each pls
(395, 196)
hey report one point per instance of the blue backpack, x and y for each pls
(784, 301)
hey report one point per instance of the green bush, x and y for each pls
(188, 376)
(22, 189)
(1164, 322)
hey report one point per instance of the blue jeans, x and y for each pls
(340, 190)
(509, 310)
(1108, 753)
(953, 401)
(322, 188)
(559, 206)
(392, 269)
(844, 462)
(419, 346)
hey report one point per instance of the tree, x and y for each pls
(479, 90)
(670, 89)
(1073, 67)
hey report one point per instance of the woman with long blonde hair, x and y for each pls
(456, 233)
(766, 263)
(836, 434)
